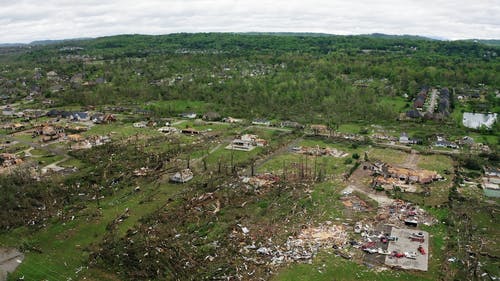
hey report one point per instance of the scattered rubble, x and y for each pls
(304, 246)
(320, 151)
(263, 180)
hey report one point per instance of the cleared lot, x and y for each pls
(405, 244)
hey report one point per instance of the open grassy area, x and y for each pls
(438, 163)
(390, 156)
(175, 107)
(120, 130)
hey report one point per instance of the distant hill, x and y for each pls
(403, 36)
(43, 42)
(489, 42)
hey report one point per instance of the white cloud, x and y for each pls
(28, 20)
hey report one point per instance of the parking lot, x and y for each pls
(404, 245)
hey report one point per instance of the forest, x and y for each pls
(285, 77)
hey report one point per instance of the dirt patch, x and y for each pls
(10, 259)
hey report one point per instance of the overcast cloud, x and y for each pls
(28, 20)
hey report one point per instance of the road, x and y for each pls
(432, 103)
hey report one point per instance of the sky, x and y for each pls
(23, 21)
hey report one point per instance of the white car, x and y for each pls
(411, 255)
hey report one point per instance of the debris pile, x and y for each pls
(305, 246)
(89, 142)
(354, 202)
(383, 171)
(320, 151)
(8, 159)
(401, 212)
(141, 172)
(263, 180)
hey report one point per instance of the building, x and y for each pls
(319, 129)
(261, 122)
(189, 115)
(405, 139)
(182, 176)
(231, 120)
(190, 131)
(246, 142)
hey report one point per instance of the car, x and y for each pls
(418, 234)
(397, 254)
(410, 255)
(371, 250)
(421, 250)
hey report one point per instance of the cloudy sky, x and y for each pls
(29, 20)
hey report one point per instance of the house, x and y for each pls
(79, 116)
(405, 139)
(14, 127)
(48, 132)
(261, 122)
(8, 111)
(75, 138)
(54, 113)
(52, 75)
(492, 172)
(291, 124)
(246, 142)
(387, 174)
(466, 141)
(319, 129)
(239, 144)
(34, 113)
(47, 102)
(189, 115)
(168, 130)
(478, 120)
(190, 131)
(141, 124)
(182, 176)
(100, 118)
(231, 120)
(97, 117)
(445, 143)
(8, 159)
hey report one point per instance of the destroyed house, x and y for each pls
(190, 131)
(182, 176)
(262, 122)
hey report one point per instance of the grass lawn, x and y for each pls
(118, 130)
(175, 107)
(390, 156)
(438, 163)
(398, 104)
